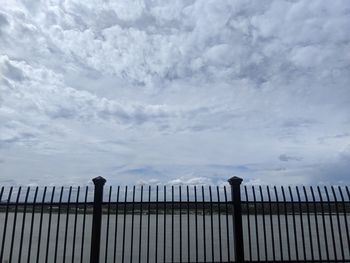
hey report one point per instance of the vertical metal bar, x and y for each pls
(5, 224)
(345, 217)
(140, 230)
(164, 226)
(58, 224)
(49, 225)
(286, 221)
(157, 215)
(323, 223)
(301, 222)
(96, 219)
(67, 222)
(204, 230)
(294, 224)
(256, 224)
(331, 223)
(279, 222)
(264, 221)
(172, 223)
(347, 232)
(14, 223)
(219, 218)
(32, 225)
(235, 183)
(227, 226)
(309, 223)
(1, 193)
(132, 224)
(211, 225)
(124, 222)
(338, 223)
(83, 226)
(40, 225)
(23, 224)
(116, 227)
(271, 224)
(148, 221)
(196, 220)
(180, 199)
(75, 223)
(316, 223)
(248, 223)
(107, 223)
(188, 226)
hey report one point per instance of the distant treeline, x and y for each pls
(177, 208)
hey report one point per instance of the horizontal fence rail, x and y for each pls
(181, 223)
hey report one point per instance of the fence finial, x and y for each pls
(235, 180)
(99, 180)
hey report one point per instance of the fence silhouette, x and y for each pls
(179, 223)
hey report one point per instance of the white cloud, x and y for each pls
(201, 89)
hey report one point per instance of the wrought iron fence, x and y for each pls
(296, 224)
(179, 223)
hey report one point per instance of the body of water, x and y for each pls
(203, 237)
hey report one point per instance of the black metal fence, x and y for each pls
(230, 223)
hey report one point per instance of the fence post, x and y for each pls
(96, 219)
(235, 183)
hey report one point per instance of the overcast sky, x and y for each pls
(191, 91)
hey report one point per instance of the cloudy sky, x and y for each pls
(189, 91)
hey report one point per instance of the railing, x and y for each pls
(296, 224)
(174, 223)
